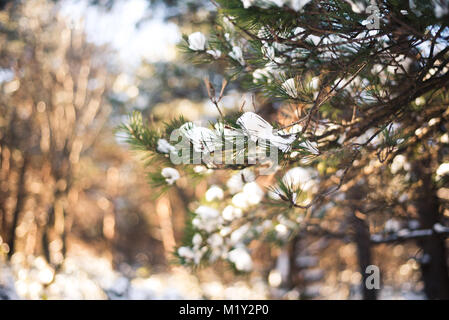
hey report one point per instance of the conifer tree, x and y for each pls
(358, 96)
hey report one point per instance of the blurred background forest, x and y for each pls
(78, 219)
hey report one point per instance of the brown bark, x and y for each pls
(362, 239)
(163, 209)
(363, 243)
(46, 235)
(434, 260)
(20, 202)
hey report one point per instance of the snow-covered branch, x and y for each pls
(406, 234)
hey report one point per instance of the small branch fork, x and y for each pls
(319, 102)
(212, 95)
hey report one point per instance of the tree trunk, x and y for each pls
(46, 235)
(434, 261)
(163, 209)
(362, 240)
(4, 173)
(20, 202)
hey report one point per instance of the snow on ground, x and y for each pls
(87, 276)
(84, 276)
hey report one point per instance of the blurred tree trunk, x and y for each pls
(46, 236)
(362, 241)
(68, 221)
(361, 237)
(163, 209)
(294, 250)
(304, 273)
(5, 156)
(434, 260)
(56, 227)
(20, 202)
